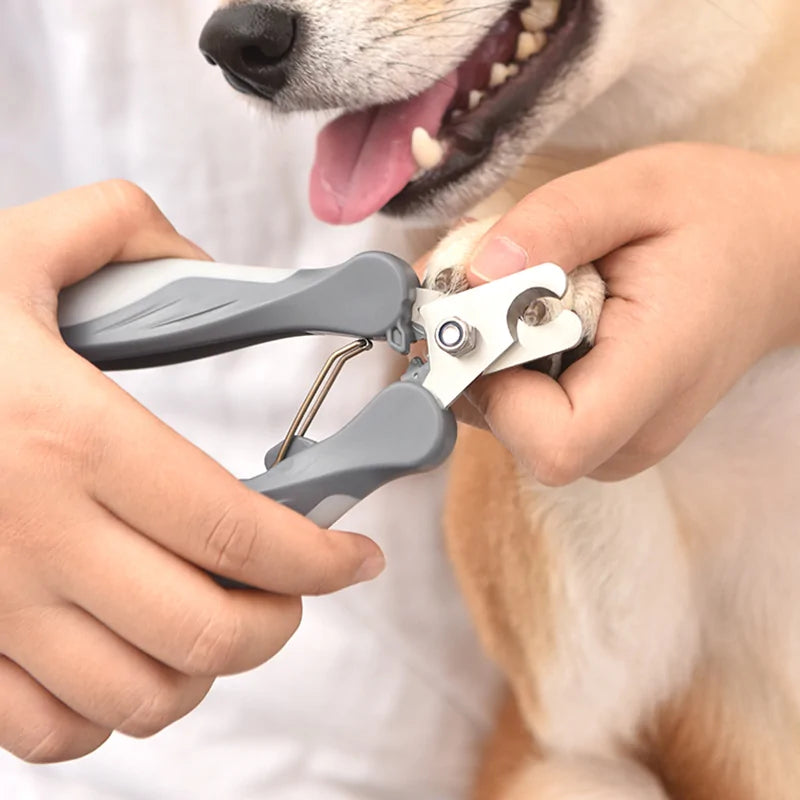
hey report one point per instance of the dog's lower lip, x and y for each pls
(471, 138)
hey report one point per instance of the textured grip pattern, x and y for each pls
(369, 296)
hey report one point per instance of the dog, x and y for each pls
(649, 629)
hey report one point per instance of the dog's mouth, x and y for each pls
(398, 157)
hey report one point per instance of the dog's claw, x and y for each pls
(451, 280)
(542, 311)
(585, 291)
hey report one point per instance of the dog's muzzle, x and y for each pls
(252, 44)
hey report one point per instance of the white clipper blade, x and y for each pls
(534, 342)
(485, 309)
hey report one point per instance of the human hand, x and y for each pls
(699, 247)
(108, 518)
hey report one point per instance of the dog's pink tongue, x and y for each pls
(364, 159)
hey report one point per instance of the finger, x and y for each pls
(564, 430)
(167, 489)
(87, 228)
(37, 727)
(163, 605)
(574, 219)
(98, 675)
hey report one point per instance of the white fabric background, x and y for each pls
(383, 693)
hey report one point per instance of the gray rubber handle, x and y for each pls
(402, 431)
(129, 316)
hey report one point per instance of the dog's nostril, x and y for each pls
(251, 42)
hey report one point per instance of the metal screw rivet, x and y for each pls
(455, 336)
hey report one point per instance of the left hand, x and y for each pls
(699, 246)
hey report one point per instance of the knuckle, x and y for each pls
(649, 448)
(231, 540)
(332, 569)
(130, 204)
(563, 216)
(128, 195)
(48, 746)
(563, 466)
(213, 647)
(650, 178)
(44, 442)
(71, 438)
(656, 171)
(153, 710)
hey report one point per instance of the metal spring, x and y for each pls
(319, 391)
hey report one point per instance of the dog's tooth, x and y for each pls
(499, 75)
(475, 98)
(456, 113)
(529, 19)
(513, 70)
(540, 14)
(529, 44)
(427, 151)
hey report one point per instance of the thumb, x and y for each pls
(562, 430)
(572, 220)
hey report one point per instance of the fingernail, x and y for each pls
(370, 568)
(497, 258)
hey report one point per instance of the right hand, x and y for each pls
(109, 519)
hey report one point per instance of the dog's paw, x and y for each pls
(585, 295)
(446, 272)
(447, 267)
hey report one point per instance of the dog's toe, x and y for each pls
(585, 296)
(542, 310)
(447, 267)
(446, 272)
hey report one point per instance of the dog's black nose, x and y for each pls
(251, 43)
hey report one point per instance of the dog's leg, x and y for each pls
(446, 272)
(514, 768)
(507, 754)
(575, 778)
(583, 596)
